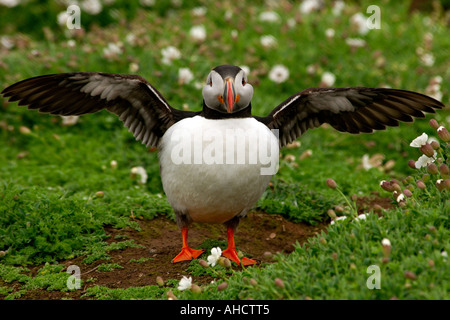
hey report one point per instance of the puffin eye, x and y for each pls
(209, 81)
(243, 81)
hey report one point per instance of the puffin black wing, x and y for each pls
(353, 109)
(138, 104)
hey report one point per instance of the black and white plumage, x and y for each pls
(216, 192)
(352, 109)
(141, 108)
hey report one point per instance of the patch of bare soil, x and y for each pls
(257, 234)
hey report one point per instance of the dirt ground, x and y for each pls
(258, 234)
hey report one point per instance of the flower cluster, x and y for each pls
(169, 54)
(432, 167)
(432, 178)
(351, 206)
(186, 282)
(427, 147)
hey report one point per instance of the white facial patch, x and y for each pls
(213, 88)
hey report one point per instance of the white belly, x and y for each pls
(213, 170)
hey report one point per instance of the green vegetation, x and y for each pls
(61, 185)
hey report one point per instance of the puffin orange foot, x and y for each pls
(187, 254)
(232, 255)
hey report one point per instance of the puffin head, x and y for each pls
(227, 90)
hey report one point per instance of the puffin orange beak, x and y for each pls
(229, 95)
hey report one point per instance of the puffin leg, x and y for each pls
(186, 253)
(231, 252)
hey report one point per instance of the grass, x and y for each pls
(335, 264)
(50, 174)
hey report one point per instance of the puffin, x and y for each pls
(216, 163)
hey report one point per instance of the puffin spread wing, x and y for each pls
(353, 109)
(138, 104)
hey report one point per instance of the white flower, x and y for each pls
(113, 164)
(434, 88)
(338, 219)
(214, 257)
(279, 73)
(419, 141)
(437, 79)
(431, 139)
(185, 75)
(199, 11)
(328, 79)
(176, 3)
(131, 38)
(268, 41)
(311, 69)
(92, 6)
(386, 242)
(428, 37)
(6, 42)
(234, 34)
(440, 128)
(69, 120)
(308, 6)
(338, 6)
(330, 33)
(139, 171)
(444, 254)
(362, 216)
(71, 43)
(228, 14)
(424, 160)
(355, 42)
(113, 49)
(169, 54)
(401, 197)
(359, 20)
(198, 33)
(9, 3)
(269, 16)
(185, 283)
(134, 67)
(291, 23)
(147, 3)
(62, 18)
(366, 162)
(427, 59)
